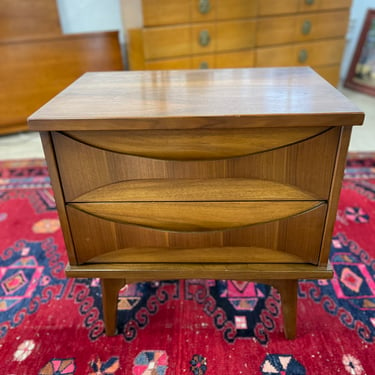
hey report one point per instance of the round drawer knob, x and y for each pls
(302, 56)
(306, 27)
(204, 38)
(203, 65)
(204, 6)
(309, 2)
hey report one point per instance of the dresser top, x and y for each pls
(217, 98)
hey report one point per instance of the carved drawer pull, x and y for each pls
(204, 38)
(303, 56)
(203, 65)
(204, 6)
(309, 2)
(306, 27)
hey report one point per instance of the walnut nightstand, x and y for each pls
(220, 174)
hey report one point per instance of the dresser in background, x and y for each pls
(38, 60)
(192, 34)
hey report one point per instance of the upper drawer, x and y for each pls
(173, 12)
(160, 42)
(296, 28)
(312, 53)
(272, 7)
(281, 156)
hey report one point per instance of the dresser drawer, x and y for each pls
(138, 156)
(298, 28)
(160, 42)
(231, 9)
(172, 12)
(233, 59)
(271, 7)
(173, 41)
(165, 12)
(233, 35)
(312, 53)
(312, 5)
(123, 232)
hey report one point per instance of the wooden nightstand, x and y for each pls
(222, 174)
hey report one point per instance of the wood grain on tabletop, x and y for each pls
(228, 98)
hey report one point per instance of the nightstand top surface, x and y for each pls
(217, 98)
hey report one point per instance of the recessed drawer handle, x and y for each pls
(309, 2)
(204, 6)
(203, 65)
(306, 27)
(204, 38)
(302, 56)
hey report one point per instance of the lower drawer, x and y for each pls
(123, 232)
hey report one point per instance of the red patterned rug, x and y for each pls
(53, 325)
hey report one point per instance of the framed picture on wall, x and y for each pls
(361, 76)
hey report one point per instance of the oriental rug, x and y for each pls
(52, 325)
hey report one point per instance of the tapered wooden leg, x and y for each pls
(110, 290)
(288, 292)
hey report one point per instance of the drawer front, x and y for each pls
(232, 9)
(173, 41)
(286, 156)
(312, 5)
(165, 12)
(100, 234)
(204, 38)
(271, 7)
(322, 25)
(327, 52)
(160, 42)
(235, 35)
(235, 59)
(172, 12)
(287, 29)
